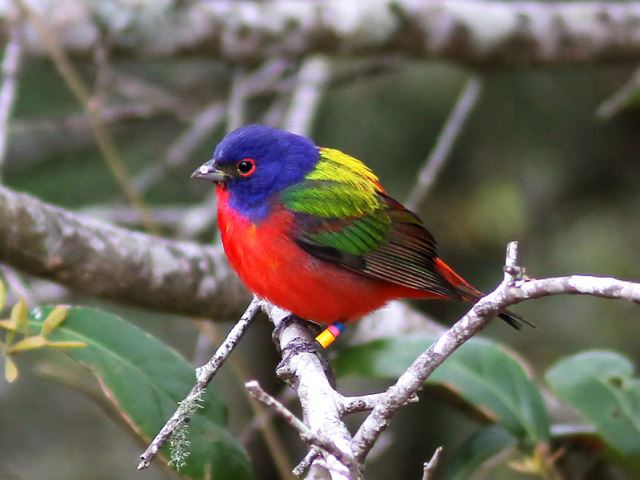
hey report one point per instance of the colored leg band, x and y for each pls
(329, 334)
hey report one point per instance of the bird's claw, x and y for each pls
(299, 346)
(277, 331)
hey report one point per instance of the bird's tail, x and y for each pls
(469, 293)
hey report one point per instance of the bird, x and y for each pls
(312, 230)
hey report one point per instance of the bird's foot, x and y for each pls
(285, 322)
(277, 331)
(299, 346)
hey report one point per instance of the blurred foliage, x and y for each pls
(533, 163)
(492, 384)
(481, 374)
(601, 387)
(144, 379)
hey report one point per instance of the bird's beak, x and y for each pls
(209, 171)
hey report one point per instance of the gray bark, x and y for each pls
(470, 32)
(112, 262)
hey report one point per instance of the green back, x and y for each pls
(344, 216)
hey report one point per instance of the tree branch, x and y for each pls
(341, 456)
(202, 125)
(313, 439)
(311, 82)
(204, 375)
(429, 467)
(447, 137)
(321, 404)
(512, 290)
(91, 105)
(113, 262)
(470, 32)
(10, 69)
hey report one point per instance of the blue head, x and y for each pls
(256, 162)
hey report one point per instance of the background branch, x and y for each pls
(311, 82)
(450, 132)
(10, 69)
(470, 32)
(113, 262)
(239, 61)
(306, 434)
(321, 404)
(92, 105)
(431, 465)
(204, 375)
(511, 291)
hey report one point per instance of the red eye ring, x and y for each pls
(246, 167)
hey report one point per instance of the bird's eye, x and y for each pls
(246, 167)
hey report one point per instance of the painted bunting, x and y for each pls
(312, 230)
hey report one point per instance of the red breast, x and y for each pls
(274, 267)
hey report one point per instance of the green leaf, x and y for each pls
(17, 321)
(145, 380)
(481, 373)
(22, 316)
(65, 344)
(601, 387)
(28, 343)
(54, 319)
(19, 313)
(10, 369)
(481, 447)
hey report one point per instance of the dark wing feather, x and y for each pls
(389, 243)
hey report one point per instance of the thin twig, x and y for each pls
(10, 69)
(236, 104)
(622, 98)
(445, 142)
(115, 113)
(92, 106)
(16, 285)
(431, 465)
(209, 331)
(512, 290)
(267, 77)
(204, 375)
(141, 91)
(275, 114)
(306, 462)
(364, 403)
(205, 122)
(285, 397)
(174, 217)
(311, 81)
(101, 58)
(312, 438)
(246, 85)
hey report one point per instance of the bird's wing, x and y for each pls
(343, 216)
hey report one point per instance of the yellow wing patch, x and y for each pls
(337, 166)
